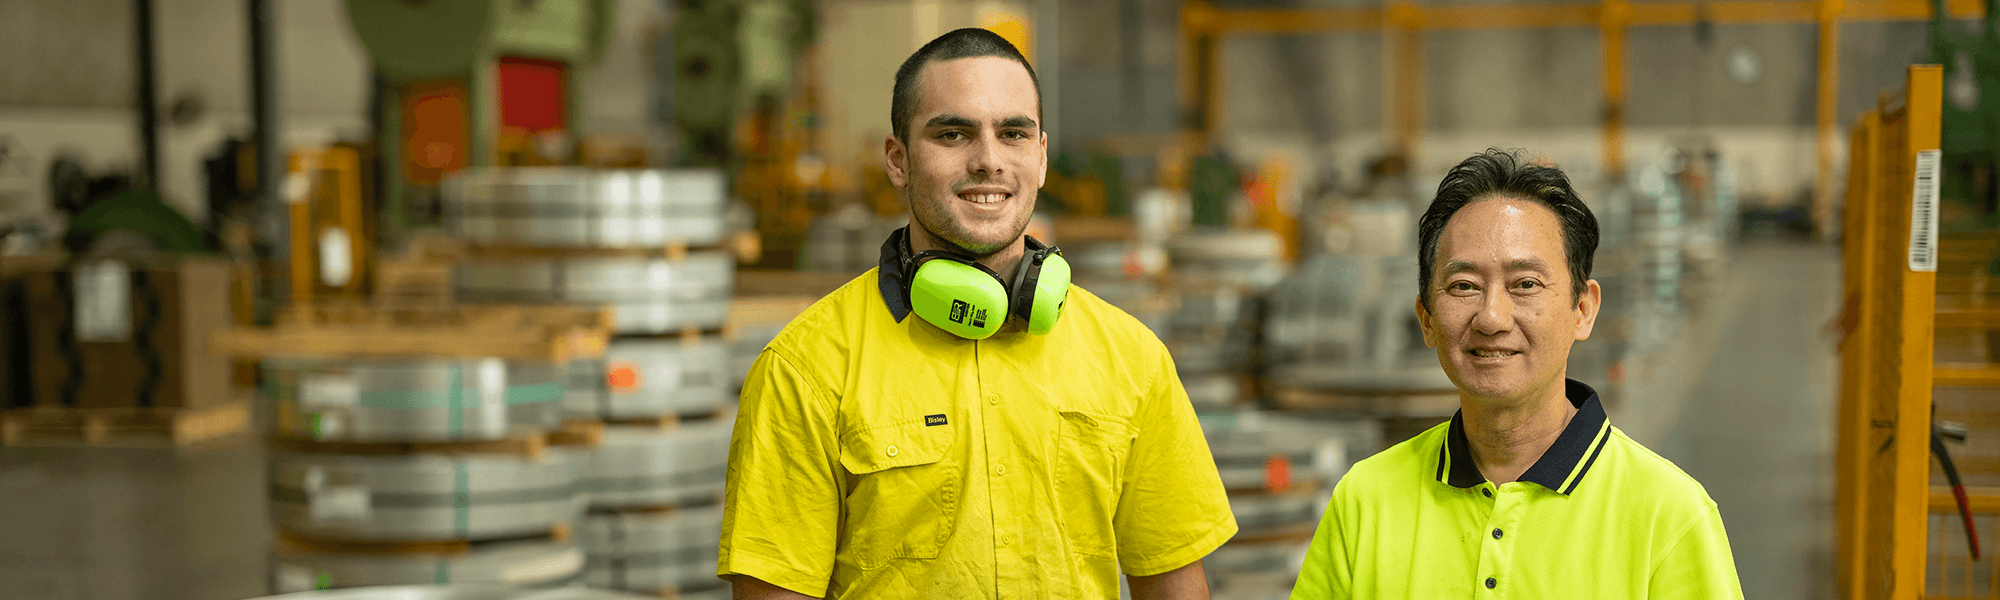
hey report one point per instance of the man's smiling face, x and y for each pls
(976, 156)
(1501, 314)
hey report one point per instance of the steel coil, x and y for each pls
(412, 400)
(641, 377)
(646, 295)
(1316, 451)
(459, 592)
(1255, 571)
(653, 551)
(424, 496)
(534, 564)
(586, 208)
(1259, 514)
(1211, 391)
(639, 466)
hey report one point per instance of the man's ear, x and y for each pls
(1587, 306)
(1045, 157)
(1424, 321)
(896, 160)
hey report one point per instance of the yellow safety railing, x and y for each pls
(1884, 425)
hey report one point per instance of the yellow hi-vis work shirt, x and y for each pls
(882, 458)
(1597, 516)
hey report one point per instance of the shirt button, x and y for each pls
(1496, 533)
(891, 451)
(1007, 540)
(1490, 583)
(1489, 493)
(992, 398)
(999, 469)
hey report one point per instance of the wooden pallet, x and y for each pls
(658, 510)
(665, 422)
(573, 433)
(307, 543)
(143, 427)
(690, 335)
(672, 250)
(533, 333)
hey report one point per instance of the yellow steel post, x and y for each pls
(1914, 307)
(1612, 17)
(1828, 15)
(1857, 370)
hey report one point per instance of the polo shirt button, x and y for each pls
(1496, 533)
(891, 451)
(1489, 493)
(1000, 469)
(1490, 583)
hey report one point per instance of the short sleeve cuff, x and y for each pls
(1146, 565)
(773, 573)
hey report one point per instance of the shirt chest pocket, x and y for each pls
(903, 497)
(1091, 451)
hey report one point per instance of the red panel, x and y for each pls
(531, 94)
(434, 130)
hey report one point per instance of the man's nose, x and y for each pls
(1496, 314)
(985, 159)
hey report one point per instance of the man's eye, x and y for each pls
(1014, 135)
(1528, 284)
(1459, 286)
(951, 136)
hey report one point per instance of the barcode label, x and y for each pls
(1923, 213)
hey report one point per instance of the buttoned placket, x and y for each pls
(1503, 506)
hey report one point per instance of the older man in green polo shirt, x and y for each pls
(1528, 492)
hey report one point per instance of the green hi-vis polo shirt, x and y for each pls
(1597, 517)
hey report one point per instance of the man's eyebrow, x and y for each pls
(1020, 122)
(950, 120)
(1457, 266)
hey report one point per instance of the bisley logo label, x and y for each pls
(933, 420)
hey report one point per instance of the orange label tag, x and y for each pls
(622, 377)
(1277, 473)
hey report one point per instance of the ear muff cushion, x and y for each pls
(959, 298)
(1051, 290)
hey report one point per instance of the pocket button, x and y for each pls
(1000, 469)
(891, 451)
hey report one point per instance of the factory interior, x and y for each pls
(300, 299)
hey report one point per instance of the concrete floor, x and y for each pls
(1743, 401)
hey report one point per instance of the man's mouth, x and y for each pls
(1483, 353)
(983, 197)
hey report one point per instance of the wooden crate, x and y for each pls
(171, 304)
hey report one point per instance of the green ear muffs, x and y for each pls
(959, 295)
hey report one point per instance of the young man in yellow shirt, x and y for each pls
(1019, 438)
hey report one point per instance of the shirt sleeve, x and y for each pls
(1699, 566)
(1328, 570)
(781, 515)
(1172, 510)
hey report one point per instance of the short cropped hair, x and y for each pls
(1505, 173)
(970, 42)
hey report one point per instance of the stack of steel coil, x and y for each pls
(1219, 277)
(1278, 471)
(655, 502)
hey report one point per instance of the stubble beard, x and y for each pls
(938, 220)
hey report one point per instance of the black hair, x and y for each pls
(1505, 173)
(969, 42)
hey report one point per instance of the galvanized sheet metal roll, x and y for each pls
(1211, 392)
(643, 466)
(459, 592)
(653, 551)
(413, 400)
(646, 295)
(642, 377)
(586, 208)
(424, 496)
(533, 564)
(1258, 514)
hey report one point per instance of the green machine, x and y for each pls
(471, 83)
(1971, 139)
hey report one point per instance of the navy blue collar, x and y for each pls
(1578, 443)
(890, 276)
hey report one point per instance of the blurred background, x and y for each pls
(321, 294)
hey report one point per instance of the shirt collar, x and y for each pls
(890, 276)
(1559, 469)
